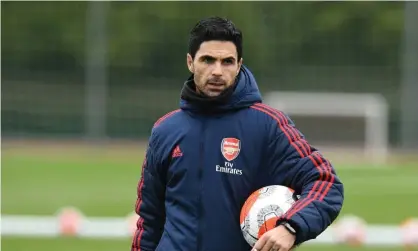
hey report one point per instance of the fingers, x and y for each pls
(277, 239)
(285, 247)
(275, 247)
(260, 243)
(266, 243)
(269, 245)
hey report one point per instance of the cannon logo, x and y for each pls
(230, 148)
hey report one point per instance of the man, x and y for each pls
(205, 159)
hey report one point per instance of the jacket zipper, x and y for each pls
(200, 178)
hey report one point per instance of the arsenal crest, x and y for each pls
(230, 148)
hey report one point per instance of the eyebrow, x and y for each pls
(211, 57)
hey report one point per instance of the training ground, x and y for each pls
(40, 177)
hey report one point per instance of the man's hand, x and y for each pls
(277, 239)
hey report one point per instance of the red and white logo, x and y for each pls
(230, 148)
(177, 152)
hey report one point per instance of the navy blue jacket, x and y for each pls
(200, 168)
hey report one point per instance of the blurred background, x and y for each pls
(83, 82)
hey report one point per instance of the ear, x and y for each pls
(239, 65)
(189, 60)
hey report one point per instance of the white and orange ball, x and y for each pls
(350, 230)
(409, 232)
(262, 209)
(69, 221)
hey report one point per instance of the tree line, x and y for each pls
(152, 36)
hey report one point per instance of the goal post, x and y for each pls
(372, 107)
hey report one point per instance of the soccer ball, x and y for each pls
(263, 208)
(409, 231)
(350, 230)
(131, 221)
(70, 221)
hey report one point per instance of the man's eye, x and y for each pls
(208, 60)
(228, 61)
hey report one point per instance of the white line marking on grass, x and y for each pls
(103, 227)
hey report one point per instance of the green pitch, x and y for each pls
(102, 182)
(65, 244)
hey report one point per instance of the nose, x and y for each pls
(217, 69)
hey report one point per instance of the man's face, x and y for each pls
(215, 67)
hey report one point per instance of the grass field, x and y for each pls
(38, 180)
(63, 244)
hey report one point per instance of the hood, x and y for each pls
(242, 94)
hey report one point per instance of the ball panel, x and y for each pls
(267, 226)
(248, 205)
(267, 191)
(248, 232)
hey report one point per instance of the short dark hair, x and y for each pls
(214, 28)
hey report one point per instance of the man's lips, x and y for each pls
(216, 86)
(216, 83)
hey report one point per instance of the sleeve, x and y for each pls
(296, 164)
(150, 203)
